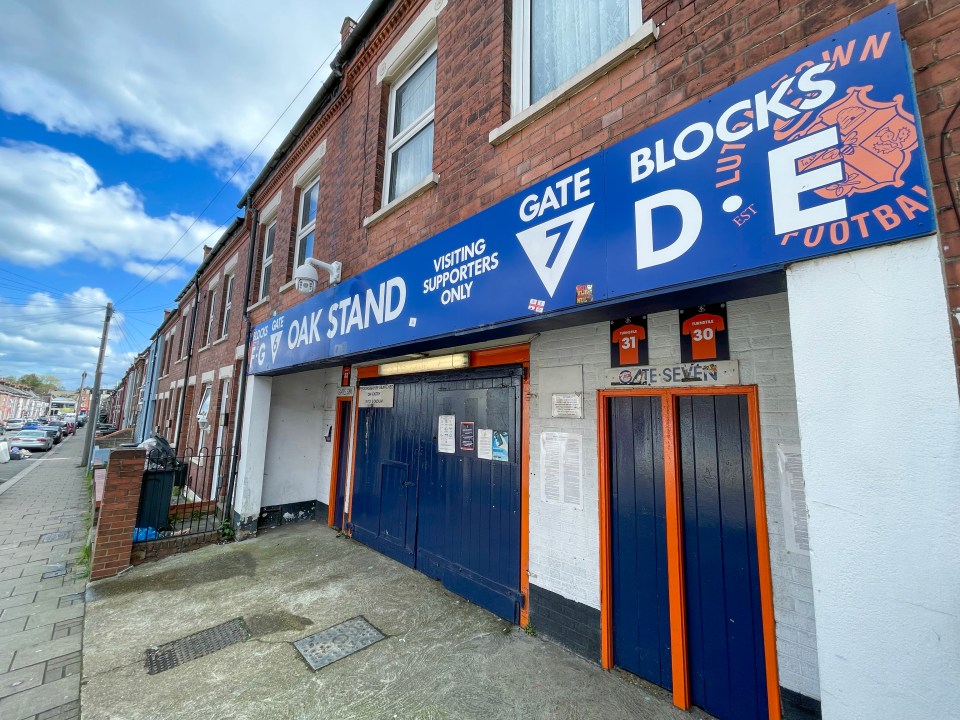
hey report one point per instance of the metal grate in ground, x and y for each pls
(178, 652)
(335, 643)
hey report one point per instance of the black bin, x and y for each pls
(155, 492)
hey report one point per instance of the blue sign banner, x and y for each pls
(818, 153)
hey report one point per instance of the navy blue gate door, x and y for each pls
(389, 448)
(641, 610)
(458, 514)
(725, 653)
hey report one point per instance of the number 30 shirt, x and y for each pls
(628, 338)
(702, 330)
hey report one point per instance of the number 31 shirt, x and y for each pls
(702, 330)
(628, 338)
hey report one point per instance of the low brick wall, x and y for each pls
(113, 540)
(159, 549)
(113, 546)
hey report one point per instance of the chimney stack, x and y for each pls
(348, 25)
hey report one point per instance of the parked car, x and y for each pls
(15, 423)
(31, 440)
(53, 431)
(81, 419)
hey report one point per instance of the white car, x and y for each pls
(30, 440)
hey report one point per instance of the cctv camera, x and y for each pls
(305, 278)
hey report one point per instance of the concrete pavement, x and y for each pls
(442, 656)
(43, 528)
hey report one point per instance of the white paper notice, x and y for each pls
(561, 468)
(446, 433)
(485, 444)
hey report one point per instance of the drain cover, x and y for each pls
(328, 646)
(195, 646)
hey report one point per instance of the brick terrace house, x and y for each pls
(643, 334)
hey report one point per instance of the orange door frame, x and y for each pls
(492, 357)
(673, 501)
(335, 465)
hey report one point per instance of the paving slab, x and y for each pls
(32, 702)
(41, 617)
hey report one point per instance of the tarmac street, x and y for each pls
(43, 520)
(441, 657)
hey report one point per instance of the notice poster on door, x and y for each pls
(703, 333)
(445, 434)
(628, 342)
(485, 444)
(501, 446)
(561, 468)
(467, 439)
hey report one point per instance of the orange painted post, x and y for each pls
(673, 501)
(606, 569)
(352, 476)
(763, 559)
(335, 465)
(525, 495)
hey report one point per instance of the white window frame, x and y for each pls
(186, 341)
(212, 294)
(521, 43)
(227, 304)
(394, 144)
(310, 227)
(265, 260)
(203, 409)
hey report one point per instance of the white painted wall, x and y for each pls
(298, 456)
(564, 541)
(256, 414)
(880, 423)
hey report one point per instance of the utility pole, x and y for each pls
(94, 413)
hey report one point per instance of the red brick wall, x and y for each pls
(113, 541)
(704, 45)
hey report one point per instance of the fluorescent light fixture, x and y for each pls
(427, 364)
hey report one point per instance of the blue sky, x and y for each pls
(119, 122)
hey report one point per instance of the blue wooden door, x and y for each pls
(725, 652)
(452, 515)
(389, 448)
(469, 513)
(641, 611)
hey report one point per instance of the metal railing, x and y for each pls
(185, 494)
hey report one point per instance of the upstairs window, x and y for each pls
(553, 40)
(266, 267)
(306, 223)
(227, 305)
(409, 150)
(212, 317)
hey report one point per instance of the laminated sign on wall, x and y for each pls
(561, 468)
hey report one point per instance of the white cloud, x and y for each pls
(61, 336)
(181, 79)
(53, 206)
(164, 271)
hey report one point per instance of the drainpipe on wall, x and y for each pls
(186, 373)
(241, 381)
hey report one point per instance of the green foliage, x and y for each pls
(40, 384)
(530, 630)
(226, 531)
